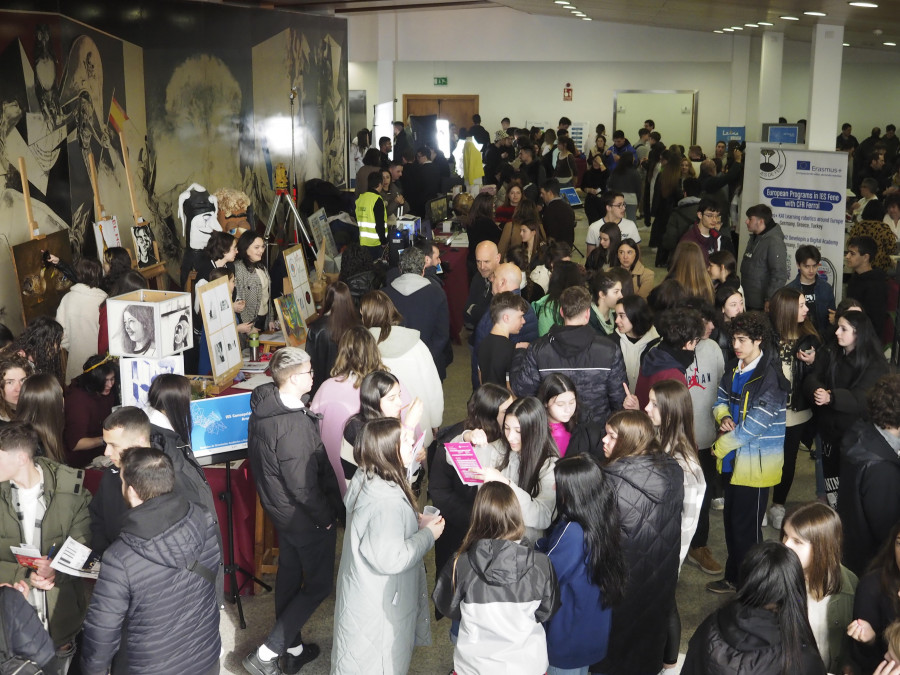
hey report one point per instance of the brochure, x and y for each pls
(26, 556)
(77, 560)
(464, 461)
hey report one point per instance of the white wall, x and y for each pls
(541, 53)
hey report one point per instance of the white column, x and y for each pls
(769, 81)
(387, 57)
(826, 54)
(740, 80)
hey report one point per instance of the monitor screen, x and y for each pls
(569, 194)
(438, 209)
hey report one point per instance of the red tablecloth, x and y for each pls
(456, 286)
(243, 510)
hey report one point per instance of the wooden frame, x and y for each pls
(211, 298)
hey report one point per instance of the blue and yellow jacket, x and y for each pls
(758, 438)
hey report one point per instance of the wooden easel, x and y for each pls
(26, 194)
(157, 271)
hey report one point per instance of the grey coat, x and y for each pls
(249, 288)
(381, 611)
(764, 268)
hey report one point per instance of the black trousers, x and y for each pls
(792, 438)
(304, 580)
(831, 468)
(744, 510)
(708, 465)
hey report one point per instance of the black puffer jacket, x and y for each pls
(743, 640)
(171, 613)
(322, 350)
(296, 484)
(25, 636)
(868, 498)
(593, 362)
(649, 496)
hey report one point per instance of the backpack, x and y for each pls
(11, 664)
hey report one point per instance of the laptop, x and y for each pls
(571, 195)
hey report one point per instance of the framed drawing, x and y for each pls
(298, 275)
(106, 232)
(149, 324)
(321, 229)
(41, 286)
(221, 330)
(292, 325)
(145, 247)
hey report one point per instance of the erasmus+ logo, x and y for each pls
(804, 166)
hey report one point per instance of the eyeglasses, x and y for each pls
(712, 216)
(618, 206)
(309, 372)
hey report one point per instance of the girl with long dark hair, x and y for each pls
(495, 580)
(557, 393)
(586, 553)
(603, 257)
(381, 607)
(41, 405)
(636, 333)
(338, 315)
(813, 531)
(252, 281)
(628, 256)
(89, 401)
(14, 370)
(796, 340)
(649, 496)
(837, 387)
(765, 628)
(525, 463)
(729, 302)
(116, 264)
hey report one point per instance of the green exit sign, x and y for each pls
(440, 82)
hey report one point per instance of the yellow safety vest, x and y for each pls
(365, 218)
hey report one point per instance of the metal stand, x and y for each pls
(282, 195)
(232, 568)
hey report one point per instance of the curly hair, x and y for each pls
(679, 326)
(754, 325)
(8, 363)
(40, 343)
(883, 402)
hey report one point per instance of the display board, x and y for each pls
(220, 427)
(221, 330)
(298, 276)
(318, 221)
(136, 376)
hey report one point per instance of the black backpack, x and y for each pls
(14, 665)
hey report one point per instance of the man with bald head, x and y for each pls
(487, 259)
(506, 277)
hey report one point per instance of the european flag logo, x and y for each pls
(804, 166)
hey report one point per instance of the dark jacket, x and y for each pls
(421, 183)
(742, 640)
(529, 332)
(848, 386)
(499, 583)
(593, 362)
(660, 363)
(824, 301)
(714, 243)
(578, 633)
(423, 306)
(797, 400)
(764, 267)
(875, 605)
(477, 304)
(322, 350)
(870, 290)
(868, 493)
(587, 439)
(682, 219)
(25, 636)
(559, 221)
(296, 484)
(107, 510)
(145, 583)
(66, 516)
(649, 495)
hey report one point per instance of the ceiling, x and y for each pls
(704, 15)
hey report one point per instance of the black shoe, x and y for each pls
(291, 664)
(255, 665)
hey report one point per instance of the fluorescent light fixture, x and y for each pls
(720, 32)
(867, 5)
(561, 2)
(789, 18)
(815, 13)
(580, 15)
(568, 6)
(752, 25)
(765, 23)
(728, 30)
(587, 18)
(737, 28)
(889, 44)
(846, 44)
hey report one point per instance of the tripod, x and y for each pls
(232, 568)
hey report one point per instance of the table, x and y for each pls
(456, 286)
(243, 509)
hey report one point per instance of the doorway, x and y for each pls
(455, 108)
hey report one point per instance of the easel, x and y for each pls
(157, 271)
(26, 194)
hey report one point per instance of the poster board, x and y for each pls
(221, 330)
(292, 325)
(106, 233)
(41, 287)
(136, 376)
(220, 425)
(150, 324)
(318, 221)
(298, 276)
(806, 190)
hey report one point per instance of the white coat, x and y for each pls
(79, 315)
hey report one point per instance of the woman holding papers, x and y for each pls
(525, 462)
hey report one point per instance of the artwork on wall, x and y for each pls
(295, 261)
(291, 322)
(41, 286)
(136, 376)
(144, 245)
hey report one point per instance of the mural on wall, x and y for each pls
(216, 88)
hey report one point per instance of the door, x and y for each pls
(455, 108)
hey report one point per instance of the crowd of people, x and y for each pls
(612, 408)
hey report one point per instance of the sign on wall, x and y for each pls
(727, 134)
(806, 191)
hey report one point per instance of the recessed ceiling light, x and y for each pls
(752, 25)
(728, 30)
(765, 23)
(737, 28)
(720, 32)
(587, 18)
(568, 6)
(789, 18)
(561, 2)
(815, 13)
(580, 15)
(889, 44)
(846, 44)
(868, 5)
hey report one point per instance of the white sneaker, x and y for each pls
(718, 503)
(765, 521)
(776, 515)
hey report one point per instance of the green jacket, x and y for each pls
(66, 516)
(839, 615)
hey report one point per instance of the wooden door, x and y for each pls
(456, 108)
